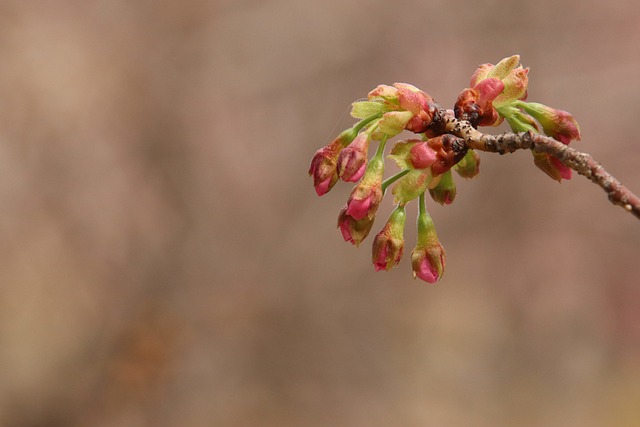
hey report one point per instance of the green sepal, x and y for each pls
(411, 185)
(401, 151)
(364, 109)
(392, 123)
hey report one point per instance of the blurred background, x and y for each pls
(165, 261)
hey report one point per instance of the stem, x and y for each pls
(580, 162)
(383, 142)
(387, 182)
(422, 210)
(426, 230)
(362, 123)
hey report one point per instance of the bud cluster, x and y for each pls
(496, 93)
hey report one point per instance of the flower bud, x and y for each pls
(445, 192)
(413, 154)
(469, 166)
(354, 231)
(557, 124)
(352, 160)
(428, 262)
(428, 257)
(420, 104)
(367, 194)
(491, 96)
(323, 168)
(388, 244)
(551, 166)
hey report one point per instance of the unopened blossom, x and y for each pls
(428, 262)
(445, 192)
(420, 104)
(492, 87)
(352, 160)
(557, 124)
(428, 256)
(353, 230)
(413, 154)
(400, 98)
(388, 244)
(367, 194)
(323, 168)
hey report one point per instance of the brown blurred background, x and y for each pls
(165, 260)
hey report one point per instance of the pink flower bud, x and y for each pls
(445, 192)
(420, 104)
(480, 108)
(488, 90)
(352, 160)
(428, 264)
(388, 244)
(557, 124)
(428, 257)
(367, 194)
(323, 167)
(551, 166)
(422, 156)
(354, 231)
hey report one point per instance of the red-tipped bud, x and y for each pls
(445, 192)
(420, 104)
(323, 167)
(428, 262)
(388, 244)
(352, 160)
(557, 124)
(367, 194)
(551, 166)
(354, 231)
(428, 257)
(413, 154)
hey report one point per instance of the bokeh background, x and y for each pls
(164, 260)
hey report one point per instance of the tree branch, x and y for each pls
(580, 162)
